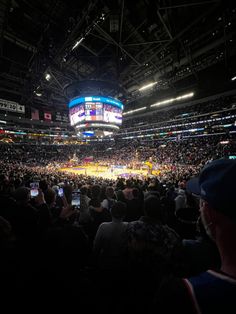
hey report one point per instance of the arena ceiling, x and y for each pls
(112, 47)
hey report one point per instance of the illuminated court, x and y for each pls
(107, 172)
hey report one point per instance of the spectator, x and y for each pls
(153, 245)
(134, 207)
(212, 291)
(110, 241)
(109, 201)
(98, 214)
(84, 216)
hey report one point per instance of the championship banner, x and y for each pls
(61, 117)
(58, 116)
(65, 117)
(12, 106)
(34, 114)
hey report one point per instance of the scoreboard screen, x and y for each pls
(89, 109)
(93, 111)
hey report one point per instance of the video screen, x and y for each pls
(91, 111)
(112, 114)
(77, 114)
(75, 198)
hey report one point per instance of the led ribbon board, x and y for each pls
(106, 100)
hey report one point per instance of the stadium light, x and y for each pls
(147, 86)
(38, 93)
(224, 142)
(233, 78)
(132, 111)
(170, 100)
(47, 76)
(104, 125)
(77, 43)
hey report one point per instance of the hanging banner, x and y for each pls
(58, 116)
(34, 114)
(13, 106)
(65, 117)
(61, 117)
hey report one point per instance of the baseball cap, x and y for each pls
(216, 184)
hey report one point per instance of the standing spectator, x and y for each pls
(152, 244)
(212, 291)
(84, 216)
(134, 207)
(110, 240)
(98, 215)
(109, 201)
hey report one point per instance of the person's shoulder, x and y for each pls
(105, 225)
(212, 277)
(135, 223)
(172, 293)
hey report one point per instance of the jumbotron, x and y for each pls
(95, 116)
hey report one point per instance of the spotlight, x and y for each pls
(38, 92)
(47, 76)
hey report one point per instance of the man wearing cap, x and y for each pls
(213, 291)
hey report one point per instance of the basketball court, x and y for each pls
(107, 172)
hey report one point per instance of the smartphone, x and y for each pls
(60, 192)
(75, 198)
(34, 189)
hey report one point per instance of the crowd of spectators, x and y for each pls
(188, 112)
(113, 251)
(194, 151)
(125, 232)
